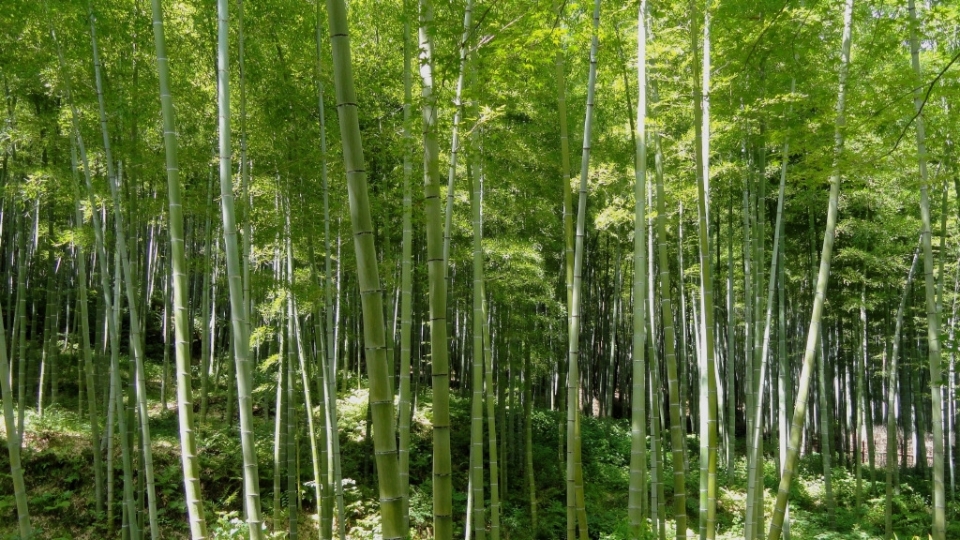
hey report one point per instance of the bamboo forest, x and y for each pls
(480, 269)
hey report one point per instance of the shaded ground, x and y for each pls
(57, 458)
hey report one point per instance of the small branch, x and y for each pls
(926, 97)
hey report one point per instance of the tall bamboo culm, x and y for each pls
(892, 399)
(678, 449)
(933, 314)
(129, 281)
(13, 443)
(108, 299)
(826, 256)
(406, 276)
(381, 396)
(707, 356)
(436, 269)
(238, 304)
(476, 367)
(574, 465)
(638, 421)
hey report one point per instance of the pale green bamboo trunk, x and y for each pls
(247, 202)
(455, 136)
(638, 443)
(108, 297)
(785, 388)
(826, 437)
(860, 365)
(13, 442)
(333, 486)
(491, 422)
(324, 442)
(280, 411)
(296, 336)
(440, 370)
(933, 314)
(476, 370)
(730, 386)
(826, 255)
(129, 280)
(657, 508)
(91, 394)
(784, 384)
(381, 398)
(238, 303)
(46, 352)
(206, 334)
(406, 277)
(21, 327)
(754, 477)
(567, 226)
(669, 353)
(748, 331)
(892, 401)
(89, 370)
(708, 379)
(574, 465)
(527, 444)
(293, 489)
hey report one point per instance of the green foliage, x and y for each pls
(229, 526)
(58, 454)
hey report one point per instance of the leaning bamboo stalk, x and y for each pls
(754, 482)
(108, 296)
(136, 339)
(892, 400)
(574, 465)
(13, 442)
(381, 398)
(826, 255)
(455, 136)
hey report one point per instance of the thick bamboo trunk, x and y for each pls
(637, 501)
(406, 276)
(933, 314)
(381, 398)
(188, 443)
(440, 367)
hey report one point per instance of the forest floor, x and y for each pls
(60, 484)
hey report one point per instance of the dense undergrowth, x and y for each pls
(57, 458)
